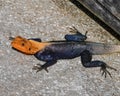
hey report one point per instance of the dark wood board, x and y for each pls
(107, 11)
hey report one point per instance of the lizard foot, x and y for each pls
(39, 67)
(11, 38)
(77, 37)
(105, 71)
(74, 30)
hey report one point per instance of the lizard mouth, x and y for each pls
(17, 50)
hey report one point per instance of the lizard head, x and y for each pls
(23, 45)
(27, 46)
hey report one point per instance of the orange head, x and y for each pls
(27, 46)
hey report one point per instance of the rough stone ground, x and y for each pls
(49, 20)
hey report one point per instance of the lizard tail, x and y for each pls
(101, 48)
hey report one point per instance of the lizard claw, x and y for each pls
(11, 38)
(86, 33)
(73, 30)
(38, 67)
(105, 71)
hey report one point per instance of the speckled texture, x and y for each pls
(49, 20)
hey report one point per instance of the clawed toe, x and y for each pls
(11, 38)
(38, 67)
(111, 68)
(105, 71)
(73, 30)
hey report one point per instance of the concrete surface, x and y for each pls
(49, 20)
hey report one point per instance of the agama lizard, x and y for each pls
(74, 46)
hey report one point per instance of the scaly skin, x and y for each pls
(74, 46)
(102, 48)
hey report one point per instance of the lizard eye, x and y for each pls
(22, 44)
(29, 49)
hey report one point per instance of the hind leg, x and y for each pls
(86, 59)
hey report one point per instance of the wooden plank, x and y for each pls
(106, 10)
(113, 6)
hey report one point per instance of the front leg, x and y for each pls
(77, 37)
(39, 67)
(86, 58)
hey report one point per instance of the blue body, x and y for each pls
(74, 46)
(61, 50)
